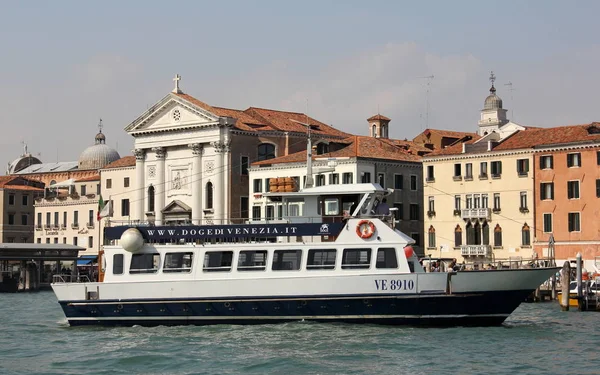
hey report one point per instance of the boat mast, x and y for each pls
(309, 173)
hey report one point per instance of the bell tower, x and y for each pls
(493, 116)
(379, 126)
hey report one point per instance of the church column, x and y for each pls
(140, 156)
(218, 182)
(160, 188)
(196, 181)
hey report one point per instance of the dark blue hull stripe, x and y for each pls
(489, 308)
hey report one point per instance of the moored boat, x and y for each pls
(326, 265)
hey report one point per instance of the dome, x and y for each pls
(98, 155)
(493, 101)
(21, 163)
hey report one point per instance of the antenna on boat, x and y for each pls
(309, 176)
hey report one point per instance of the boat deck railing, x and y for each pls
(66, 278)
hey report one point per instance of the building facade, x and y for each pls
(17, 197)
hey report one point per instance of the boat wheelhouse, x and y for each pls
(332, 263)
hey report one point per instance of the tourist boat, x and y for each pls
(320, 266)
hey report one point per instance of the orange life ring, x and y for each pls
(365, 229)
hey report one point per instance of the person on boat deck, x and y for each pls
(352, 208)
(383, 208)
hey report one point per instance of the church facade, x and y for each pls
(192, 159)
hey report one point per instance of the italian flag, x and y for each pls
(103, 209)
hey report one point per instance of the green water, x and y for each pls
(537, 339)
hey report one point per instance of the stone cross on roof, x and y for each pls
(177, 78)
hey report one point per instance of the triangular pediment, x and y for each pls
(176, 207)
(173, 112)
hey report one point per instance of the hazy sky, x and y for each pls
(64, 64)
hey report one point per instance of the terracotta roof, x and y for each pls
(127, 161)
(356, 146)
(378, 117)
(417, 147)
(261, 119)
(551, 136)
(454, 149)
(5, 180)
(448, 133)
(17, 183)
(22, 187)
(90, 178)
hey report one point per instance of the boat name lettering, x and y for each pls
(394, 284)
(221, 232)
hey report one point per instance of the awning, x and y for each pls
(67, 183)
(86, 260)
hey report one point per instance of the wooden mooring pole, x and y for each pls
(565, 280)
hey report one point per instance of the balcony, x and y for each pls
(476, 213)
(75, 226)
(476, 250)
(90, 225)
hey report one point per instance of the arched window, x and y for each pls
(52, 182)
(383, 131)
(526, 235)
(431, 236)
(209, 195)
(266, 151)
(477, 234)
(486, 234)
(470, 234)
(322, 148)
(497, 236)
(150, 198)
(457, 236)
(374, 132)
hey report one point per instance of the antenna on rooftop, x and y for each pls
(429, 80)
(309, 177)
(512, 103)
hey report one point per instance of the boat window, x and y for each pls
(332, 206)
(356, 259)
(286, 260)
(178, 262)
(217, 261)
(144, 263)
(321, 259)
(386, 258)
(255, 260)
(118, 264)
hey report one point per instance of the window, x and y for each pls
(413, 183)
(573, 189)
(126, 182)
(144, 263)
(574, 160)
(256, 212)
(457, 171)
(98, 189)
(321, 259)
(11, 199)
(39, 240)
(398, 182)
(469, 201)
(574, 223)
(457, 202)
(257, 185)
(178, 262)
(547, 223)
(496, 167)
(124, 207)
(209, 195)
(25, 200)
(381, 179)
(546, 162)
(11, 219)
(320, 180)
(598, 188)
(117, 263)
(431, 235)
(252, 260)
(24, 219)
(497, 236)
(108, 183)
(64, 224)
(39, 219)
(90, 242)
(55, 240)
(483, 169)
(374, 131)
(76, 218)
(56, 214)
(457, 236)
(334, 179)
(48, 218)
(430, 174)
(244, 207)
(597, 157)
(151, 198)
(523, 201)
(75, 242)
(48, 240)
(322, 148)
(366, 178)
(415, 236)
(286, 260)
(399, 213)
(497, 202)
(546, 190)
(414, 211)
(469, 171)
(266, 151)
(217, 261)
(356, 259)
(431, 208)
(90, 218)
(386, 258)
(476, 201)
(332, 207)
(347, 178)
(244, 165)
(64, 240)
(83, 190)
(526, 235)
(484, 201)
(522, 167)
(270, 212)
